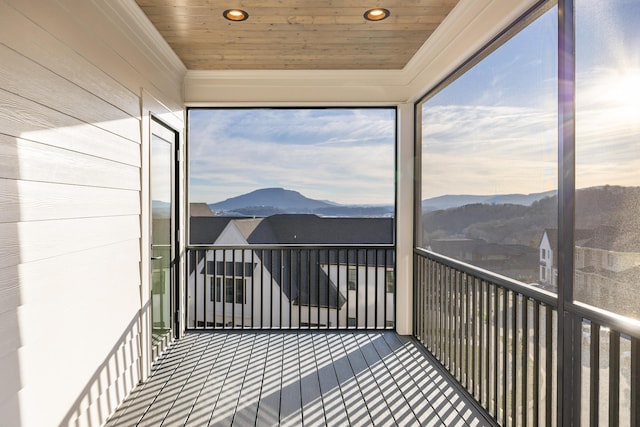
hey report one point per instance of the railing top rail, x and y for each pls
(545, 297)
(622, 324)
(292, 246)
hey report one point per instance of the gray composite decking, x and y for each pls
(295, 379)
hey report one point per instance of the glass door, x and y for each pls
(163, 280)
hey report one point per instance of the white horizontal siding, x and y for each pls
(69, 167)
(109, 50)
(28, 120)
(63, 60)
(71, 207)
(36, 201)
(62, 95)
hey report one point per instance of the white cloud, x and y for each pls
(487, 150)
(347, 158)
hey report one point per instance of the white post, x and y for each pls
(404, 220)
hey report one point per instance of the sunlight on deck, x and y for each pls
(296, 378)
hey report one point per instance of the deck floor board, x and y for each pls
(296, 378)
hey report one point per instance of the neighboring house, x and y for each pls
(548, 246)
(607, 270)
(607, 267)
(303, 287)
(548, 268)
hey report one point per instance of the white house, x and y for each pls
(262, 286)
(548, 268)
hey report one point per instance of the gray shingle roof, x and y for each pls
(312, 229)
(205, 230)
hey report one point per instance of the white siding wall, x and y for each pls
(72, 201)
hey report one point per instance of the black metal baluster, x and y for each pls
(525, 359)
(514, 357)
(594, 375)
(614, 378)
(536, 363)
(548, 365)
(291, 274)
(233, 287)
(505, 353)
(204, 302)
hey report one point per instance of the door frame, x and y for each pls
(173, 118)
(172, 137)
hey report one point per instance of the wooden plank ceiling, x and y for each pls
(295, 34)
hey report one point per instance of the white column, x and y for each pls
(404, 220)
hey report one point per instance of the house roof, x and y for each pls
(580, 235)
(312, 229)
(247, 226)
(205, 230)
(200, 209)
(293, 270)
(298, 273)
(552, 236)
(301, 278)
(614, 239)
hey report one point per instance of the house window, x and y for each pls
(240, 299)
(216, 291)
(228, 290)
(234, 269)
(390, 282)
(543, 254)
(233, 290)
(352, 279)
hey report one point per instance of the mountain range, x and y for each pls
(513, 223)
(271, 201)
(453, 201)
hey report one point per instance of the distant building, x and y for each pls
(607, 267)
(607, 270)
(548, 268)
(315, 288)
(548, 246)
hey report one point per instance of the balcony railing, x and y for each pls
(499, 338)
(290, 287)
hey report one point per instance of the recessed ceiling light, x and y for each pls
(235, 14)
(377, 14)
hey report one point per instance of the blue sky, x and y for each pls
(343, 155)
(494, 130)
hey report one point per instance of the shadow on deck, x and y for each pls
(297, 378)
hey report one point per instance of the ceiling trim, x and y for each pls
(143, 34)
